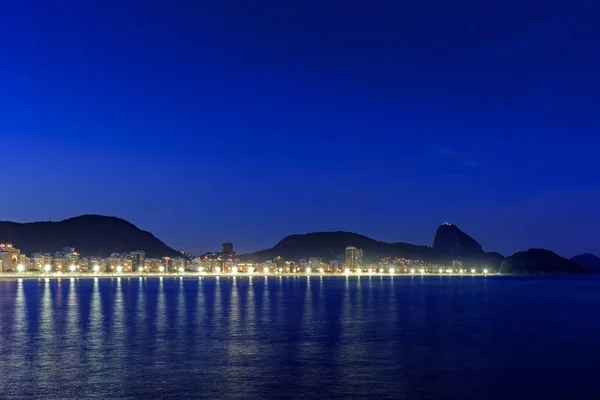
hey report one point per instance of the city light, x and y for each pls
(441, 271)
(381, 270)
(250, 270)
(20, 268)
(392, 271)
(412, 270)
(234, 270)
(141, 269)
(308, 271)
(200, 269)
(358, 271)
(47, 268)
(449, 270)
(321, 270)
(266, 270)
(161, 269)
(347, 271)
(485, 271)
(181, 270)
(96, 268)
(422, 271)
(218, 270)
(119, 269)
(462, 271)
(370, 271)
(473, 271)
(72, 268)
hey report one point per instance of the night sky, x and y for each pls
(246, 121)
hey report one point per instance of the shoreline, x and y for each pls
(11, 276)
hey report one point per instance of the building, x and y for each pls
(10, 256)
(137, 260)
(227, 248)
(457, 265)
(351, 257)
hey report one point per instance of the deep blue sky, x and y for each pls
(246, 121)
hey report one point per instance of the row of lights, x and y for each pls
(234, 270)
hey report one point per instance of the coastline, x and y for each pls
(10, 276)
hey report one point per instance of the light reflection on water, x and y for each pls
(304, 337)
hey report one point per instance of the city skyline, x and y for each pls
(205, 123)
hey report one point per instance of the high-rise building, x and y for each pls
(351, 257)
(227, 248)
(137, 260)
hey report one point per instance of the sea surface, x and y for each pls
(300, 338)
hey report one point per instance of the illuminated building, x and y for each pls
(9, 256)
(457, 265)
(351, 257)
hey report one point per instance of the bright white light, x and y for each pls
(449, 270)
(358, 271)
(47, 268)
(370, 270)
(321, 270)
(266, 270)
(441, 271)
(412, 270)
(72, 268)
(308, 271)
(422, 271)
(473, 271)
(161, 269)
(181, 270)
(250, 270)
(392, 271)
(485, 271)
(347, 271)
(141, 269)
(20, 268)
(96, 268)
(381, 270)
(217, 270)
(234, 270)
(119, 269)
(462, 271)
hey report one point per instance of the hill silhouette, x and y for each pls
(540, 262)
(589, 261)
(332, 245)
(90, 235)
(451, 242)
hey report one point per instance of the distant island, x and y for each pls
(100, 236)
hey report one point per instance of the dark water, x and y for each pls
(300, 338)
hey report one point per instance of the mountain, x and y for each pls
(539, 262)
(589, 261)
(451, 242)
(90, 235)
(332, 246)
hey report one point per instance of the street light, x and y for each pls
(141, 269)
(412, 270)
(72, 268)
(161, 269)
(47, 267)
(473, 271)
(422, 271)
(96, 268)
(392, 270)
(266, 270)
(20, 268)
(307, 271)
(119, 269)
(321, 270)
(485, 271)
(218, 270)
(250, 270)
(181, 270)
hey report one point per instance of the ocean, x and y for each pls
(432, 337)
